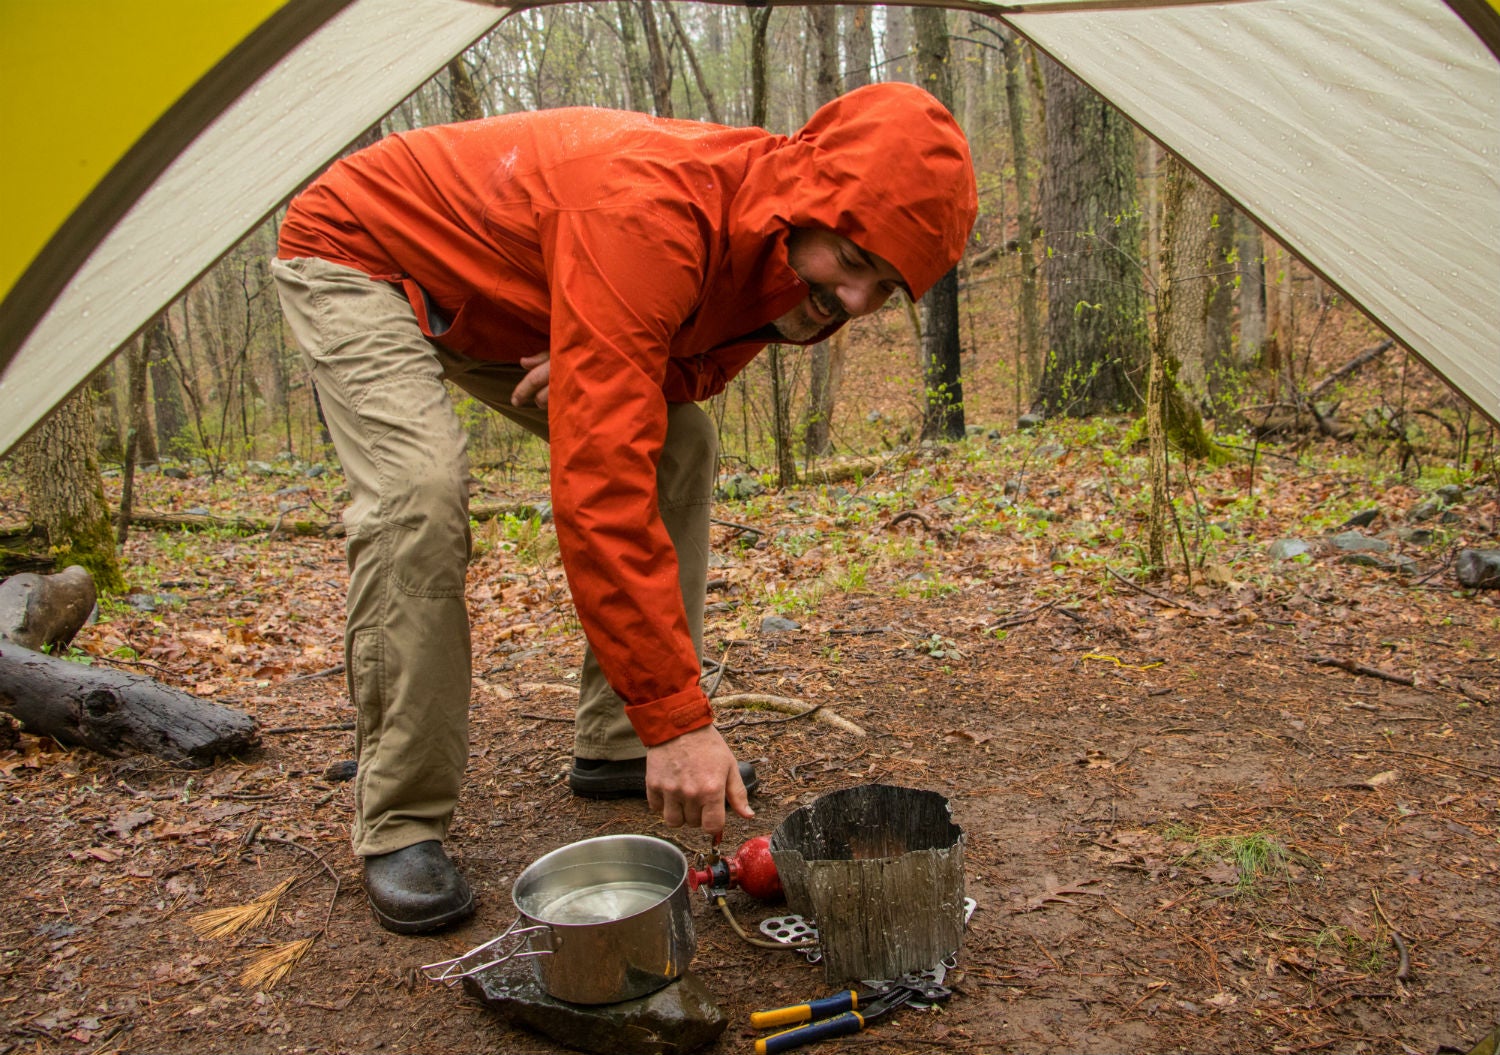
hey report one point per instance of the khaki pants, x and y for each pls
(403, 451)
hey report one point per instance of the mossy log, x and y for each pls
(117, 713)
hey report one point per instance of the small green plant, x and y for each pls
(852, 579)
(1254, 855)
(1363, 954)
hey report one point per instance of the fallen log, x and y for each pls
(43, 612)
(117, 713)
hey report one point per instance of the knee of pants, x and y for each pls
(690, 455)
(426, 522)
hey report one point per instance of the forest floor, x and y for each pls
(1188, 828)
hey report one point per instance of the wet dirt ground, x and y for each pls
(1183, 831)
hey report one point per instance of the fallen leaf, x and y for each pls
(1062, 895)
(122, 824)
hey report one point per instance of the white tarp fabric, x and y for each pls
(1365, 134)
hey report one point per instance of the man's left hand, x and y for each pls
(533, 387)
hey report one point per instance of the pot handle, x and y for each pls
(449, 972)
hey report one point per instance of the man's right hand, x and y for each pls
(690, 779)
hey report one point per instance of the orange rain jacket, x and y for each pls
(646, 256)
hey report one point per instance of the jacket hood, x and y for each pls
(886, 166)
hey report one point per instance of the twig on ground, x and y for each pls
(1025, 617)
(1435, 758)
(324, 673)
(1404, 970)
(816, 708)
(743, 529)
(1149, 593)
(331, 727)
(319, 858)
(719, 674)
(796, 708)
(1359, 668)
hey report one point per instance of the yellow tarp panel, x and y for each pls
(80, 82)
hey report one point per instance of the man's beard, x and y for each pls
(799, 325)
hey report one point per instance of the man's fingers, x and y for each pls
(712, 819)
(533, 387)
(738, 797)
(671, 813)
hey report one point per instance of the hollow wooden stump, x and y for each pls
(880, 869)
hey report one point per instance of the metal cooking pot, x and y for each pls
(602, 920)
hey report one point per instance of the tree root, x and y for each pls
(794, 708)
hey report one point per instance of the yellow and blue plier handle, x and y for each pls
(833, 1016)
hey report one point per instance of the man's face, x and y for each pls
(844, 280)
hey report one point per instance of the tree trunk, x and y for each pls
(760, 23)
(66, 493)
(942, 375)
(1252, 292)
(786, 458)
(1188, 291)
(109, 430)
(942, 368)
(1096, 331)
(710, 103)
(1030, 300)
(117, 713)
(824, 372)
(140, 428)
(1223, 367)
(859, 47)
(1188, 264)
(166, 393)
(659, 71)
(898, 44)
(466, 105)
(827, 375)
(640, 92)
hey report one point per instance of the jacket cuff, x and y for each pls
(668, 718)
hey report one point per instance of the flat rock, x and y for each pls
(681, 1017)
(1478, 569)
(1287, 548)
(1355, 542)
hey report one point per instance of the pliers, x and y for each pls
(851, 1011)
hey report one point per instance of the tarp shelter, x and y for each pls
(143, 138)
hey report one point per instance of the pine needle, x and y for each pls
(266, 970)
(227, 922)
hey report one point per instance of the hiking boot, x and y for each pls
(625, 778)
(416, 889)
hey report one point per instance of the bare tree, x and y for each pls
(60, 468)
(942, 368)
(1096, 319)
(827, 357)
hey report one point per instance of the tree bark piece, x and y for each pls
(117, 713)
(45, 611)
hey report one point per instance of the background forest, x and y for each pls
(1095, 255)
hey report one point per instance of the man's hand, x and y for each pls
(689, 779)
(533, 387)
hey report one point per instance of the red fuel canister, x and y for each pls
(751, 868)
